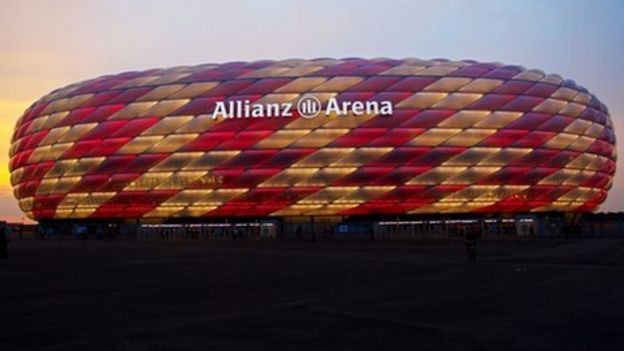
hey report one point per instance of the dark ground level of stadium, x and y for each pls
(126, 294)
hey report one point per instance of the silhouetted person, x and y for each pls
(99, 232)
(232, 232)
(161, 231)
(239, 233)
(4, 242)
(187, 231)
(299, 232)
(471, 239)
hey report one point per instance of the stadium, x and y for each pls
(459, 142)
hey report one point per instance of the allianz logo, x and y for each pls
(308, 106)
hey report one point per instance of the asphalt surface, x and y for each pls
(353, 295)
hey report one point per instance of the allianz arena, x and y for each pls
(462, 137)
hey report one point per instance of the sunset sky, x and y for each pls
(48, 44)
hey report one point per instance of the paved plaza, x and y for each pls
(126, 294)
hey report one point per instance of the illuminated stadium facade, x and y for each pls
(461, 137)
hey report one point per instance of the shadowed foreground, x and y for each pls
(142, 295)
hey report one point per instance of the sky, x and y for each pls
(48, 44)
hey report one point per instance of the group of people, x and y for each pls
(472, 235)
(329, 233)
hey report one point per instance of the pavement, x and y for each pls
(128, 294)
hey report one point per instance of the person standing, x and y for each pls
(329, 232)
(471, 240)
(4, 240)
(299, 232)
